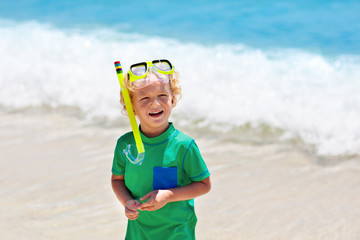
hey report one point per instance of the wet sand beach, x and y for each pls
(55, 184)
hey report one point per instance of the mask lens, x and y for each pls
(138, 70)
(162, 65)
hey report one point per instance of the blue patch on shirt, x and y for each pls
(165, 178)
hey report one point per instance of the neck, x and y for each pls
(151, 133)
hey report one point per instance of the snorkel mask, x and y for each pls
(139, 77)
(142, 74)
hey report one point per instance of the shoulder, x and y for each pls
(181, 137)
(126, 136)
(183, 141)
(125, 139)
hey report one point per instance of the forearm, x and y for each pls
(193, 190)
(121, 191)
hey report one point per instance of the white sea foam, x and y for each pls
(305, 94)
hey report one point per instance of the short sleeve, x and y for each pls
(193, 164)
(118, 167)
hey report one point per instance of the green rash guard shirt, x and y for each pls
(171, 160)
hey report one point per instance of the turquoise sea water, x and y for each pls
(326, 26)
(287, 68)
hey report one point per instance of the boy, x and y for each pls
(158, 194)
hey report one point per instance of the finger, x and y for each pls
(137, 204)
(133, 206)
(146, 196)
(148, 203)
(149, 208)
(133, 210)
(132, 217)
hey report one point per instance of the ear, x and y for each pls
(134, 110)
(173, 101)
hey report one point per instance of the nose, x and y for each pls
(155, 102)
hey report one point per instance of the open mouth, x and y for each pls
(156, 114)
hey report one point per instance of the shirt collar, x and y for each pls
(164, 137)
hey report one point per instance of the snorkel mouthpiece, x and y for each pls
(139, 144)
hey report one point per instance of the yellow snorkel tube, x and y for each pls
(139, 144)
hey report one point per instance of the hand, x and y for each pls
(131, 208)
(156, 200)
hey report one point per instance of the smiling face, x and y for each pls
(153, 104)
